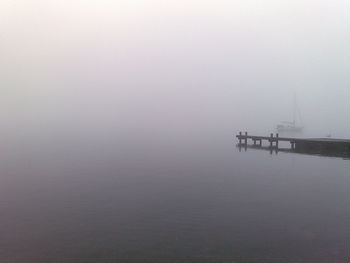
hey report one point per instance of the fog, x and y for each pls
(117, 125)
(172, 68)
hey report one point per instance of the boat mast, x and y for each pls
(294, 109)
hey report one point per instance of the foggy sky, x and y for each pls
(161, 67)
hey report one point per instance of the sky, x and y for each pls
(173, 68)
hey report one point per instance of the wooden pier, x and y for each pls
(307, 145)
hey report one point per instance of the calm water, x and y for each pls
(169, 199)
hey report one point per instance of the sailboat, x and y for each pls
(292, 126)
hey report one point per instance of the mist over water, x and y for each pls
(118, 124)
(173, 67)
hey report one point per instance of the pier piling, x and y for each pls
(271, 140)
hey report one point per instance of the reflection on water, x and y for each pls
(170, 200)
(273, 150)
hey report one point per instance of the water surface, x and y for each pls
(169, 199)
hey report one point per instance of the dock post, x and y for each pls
(246, 139)
(240, 138)
(292, 144)
(254, 142)
(277, 140)
(271, 138)
(260, 142)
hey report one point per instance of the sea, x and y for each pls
(154, 197)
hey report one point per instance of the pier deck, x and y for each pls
(298, 144)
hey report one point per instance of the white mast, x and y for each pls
(294, 109)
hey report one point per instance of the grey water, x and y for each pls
(168, 198)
